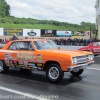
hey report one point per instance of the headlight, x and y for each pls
(74, 60)
(90, 57)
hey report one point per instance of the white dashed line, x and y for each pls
(31, 96)
(94, 68)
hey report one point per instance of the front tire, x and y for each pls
(3, 67)
(54, 73)
(77, 73)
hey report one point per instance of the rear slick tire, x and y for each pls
(3, 67)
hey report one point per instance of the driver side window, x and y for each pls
(21, 46)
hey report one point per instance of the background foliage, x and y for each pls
(8, 21)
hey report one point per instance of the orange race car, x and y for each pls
(45, 56)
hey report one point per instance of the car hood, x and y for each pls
(72, 53)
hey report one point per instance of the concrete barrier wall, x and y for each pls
(70, 47)
(62, 47)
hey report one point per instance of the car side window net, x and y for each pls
(21, 46)
(24, 46)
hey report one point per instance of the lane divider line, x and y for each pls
(94, 68)
(31, 96)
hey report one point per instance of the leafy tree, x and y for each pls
(14, 22)
(4, 8)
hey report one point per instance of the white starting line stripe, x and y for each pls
(94, 68)
(27, 95)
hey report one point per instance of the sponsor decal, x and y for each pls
(39, 68)
(31, 64)
(63, 33)
(20, 62)
(39, 58)
(25, 63)
(21, 65)
(48, 33)
(39, 64)
(31, 33)
(23, 59)
(25, 56)
(96, 49)
(30, 67)
(8, 59)
(10, 31)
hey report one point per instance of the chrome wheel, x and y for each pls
(75, 69)
(54, 72)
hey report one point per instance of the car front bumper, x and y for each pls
(80, 66)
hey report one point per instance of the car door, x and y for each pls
(22, 54)
(26, 55)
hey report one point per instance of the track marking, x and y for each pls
(94, 68)
(31, 96)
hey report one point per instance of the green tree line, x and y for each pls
(6, 20)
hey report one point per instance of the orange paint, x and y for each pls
(63, 57)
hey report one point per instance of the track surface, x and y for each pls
(16, 85)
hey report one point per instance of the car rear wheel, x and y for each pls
(3, 67)
(77, 72)
(54, 73)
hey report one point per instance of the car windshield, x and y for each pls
(98, 43)
(48, 44)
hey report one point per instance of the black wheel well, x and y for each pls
(48, 63)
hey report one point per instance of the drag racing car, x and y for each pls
(44, 55)
(93, 47)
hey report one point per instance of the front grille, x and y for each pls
(82, 59)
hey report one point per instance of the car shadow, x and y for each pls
(39, 76)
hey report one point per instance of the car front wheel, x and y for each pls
(77, 72)
(54, 73)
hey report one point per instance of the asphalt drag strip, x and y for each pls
(34, 85)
